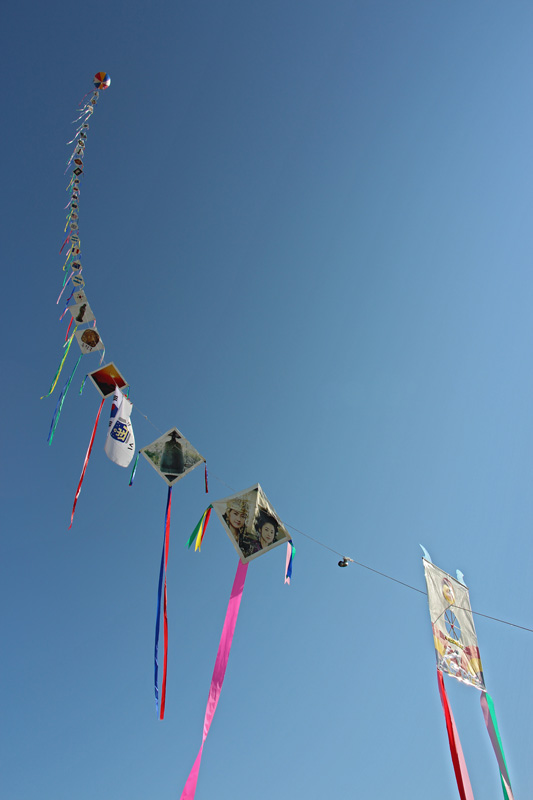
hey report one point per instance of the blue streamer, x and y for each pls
(59, 405)
(289, 568)
(158, 616)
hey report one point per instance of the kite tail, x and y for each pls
(459, 764)
(162, 574)
(59, 406)
(87, 456)
(219, 672)
(199, 532)
(491, 722)
(58, 373)
(291, 550)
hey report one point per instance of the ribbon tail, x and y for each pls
(69, 327)
(162, 572)
(219, 672)
(489, 714)
(165, 653)
(199, 531)
(59, 406)
(88, 455)
(58, 373)
(206, 522)
(288, 563)
(157, 625)
(134, 470)
(459, 764)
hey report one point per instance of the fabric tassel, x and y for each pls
(58, 373)
(59, 406)
(199, 532)
(82, 387)
(491, 722)
(224, 649)
(459, 765)
(206, 481)
(162, 574)
(88, 455)
(291, 550)
(134, 470)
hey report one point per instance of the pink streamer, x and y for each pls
(219, 672)
(64, 287)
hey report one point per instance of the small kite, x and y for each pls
(457, 654)
(102, 81)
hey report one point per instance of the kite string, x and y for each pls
(384, 574)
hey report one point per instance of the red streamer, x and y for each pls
(205, 523)
(78, 490)
(458, 759)
(165, 618)
(69, 327)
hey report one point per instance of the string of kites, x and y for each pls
(248, 517)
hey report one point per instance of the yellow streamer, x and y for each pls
(58, 373)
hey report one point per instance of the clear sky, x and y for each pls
(307, 240)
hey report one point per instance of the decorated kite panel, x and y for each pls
(251, 523)
(454, 633)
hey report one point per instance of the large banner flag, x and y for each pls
(120, 442)
(454, 633)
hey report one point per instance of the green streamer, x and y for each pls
(62, 400)
(487, 705)
(58, 373)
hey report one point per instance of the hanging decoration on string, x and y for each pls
(81, 314)
(172, 456)
(457, 654)
(106, 380)
(120, 441)
(254, 528)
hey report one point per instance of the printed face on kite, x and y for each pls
(235, 520)
(251, 523)
(267, 534)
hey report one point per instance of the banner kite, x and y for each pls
(454, 634)
(254, 528)
(457, 653)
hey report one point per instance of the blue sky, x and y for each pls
(307, 241)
